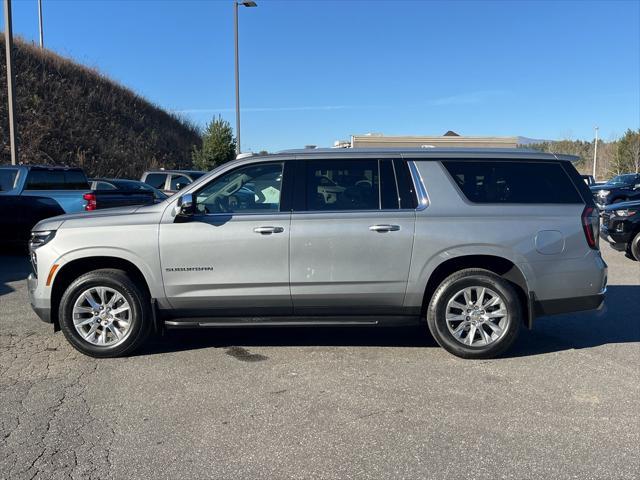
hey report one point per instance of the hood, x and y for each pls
(623, 205)
(54, 223)
(609, 186)
(602, 186)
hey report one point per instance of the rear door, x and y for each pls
(351, 238)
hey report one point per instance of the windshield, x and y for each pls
(8, 179)
(623, 179)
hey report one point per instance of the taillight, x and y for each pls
(591, 225)
(91, 201)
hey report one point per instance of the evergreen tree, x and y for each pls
(218, 145)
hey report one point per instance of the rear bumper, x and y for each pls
(42, 309)
(569, 305)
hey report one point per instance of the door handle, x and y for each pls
(268, 230)
(384, 228)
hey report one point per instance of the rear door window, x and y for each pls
(515, 181)
(104, 186)
(178, 182)
(388, 187)
(156, 180)
(334, 185)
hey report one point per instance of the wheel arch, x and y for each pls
(501, 266)
(79, 266)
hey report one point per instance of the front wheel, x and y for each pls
(474, 313)
(105, 314)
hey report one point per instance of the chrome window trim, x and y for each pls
(377, 212)
(237, 214)
(418, 185)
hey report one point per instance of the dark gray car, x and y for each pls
(473, 243)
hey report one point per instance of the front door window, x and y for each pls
(252, 189)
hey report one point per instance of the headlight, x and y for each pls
(604, 193)
(37, 240)
(625, 213)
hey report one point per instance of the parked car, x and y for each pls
(473, 243)
(110, 193)
(29, 194)
(620, 188)
(170, 181)
(126, 185)
(621, 227)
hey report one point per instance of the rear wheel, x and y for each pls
(105, 314)
(474, 313)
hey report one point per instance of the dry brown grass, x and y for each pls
(69, 114)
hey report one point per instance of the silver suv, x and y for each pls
(474, 243)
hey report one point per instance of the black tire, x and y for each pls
(633, 248)
(140, 316)
(449, 289)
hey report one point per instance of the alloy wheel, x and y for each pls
(102, 316)
(477, 316)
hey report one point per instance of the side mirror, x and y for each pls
(636, 186)
(186, 205)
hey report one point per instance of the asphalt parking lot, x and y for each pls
(324, 403)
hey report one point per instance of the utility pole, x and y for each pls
(40, 23)
(8, 42)
(595, 154)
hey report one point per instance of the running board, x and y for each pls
(305, 321)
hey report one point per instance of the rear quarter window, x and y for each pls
(56, 180)
(513, 181)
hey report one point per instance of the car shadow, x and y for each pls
(14, 266)
(618, 322)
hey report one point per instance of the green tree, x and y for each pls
(630, 151)
(218, 145)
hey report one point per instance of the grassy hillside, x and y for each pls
(71, 115)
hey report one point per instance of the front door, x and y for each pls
(232, 257)
(351, 241)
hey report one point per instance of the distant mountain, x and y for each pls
(529, 141)
(69, 114)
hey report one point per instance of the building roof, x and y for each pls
(434, 152)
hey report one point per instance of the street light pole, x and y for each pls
(8, 43)
(595, 154)
(40, 23)
(236, 4)
(235, 19)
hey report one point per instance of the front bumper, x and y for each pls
(42, 308)
(618, 236)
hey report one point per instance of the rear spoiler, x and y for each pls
(566, 158)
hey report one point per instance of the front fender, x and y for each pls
(149, 270)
